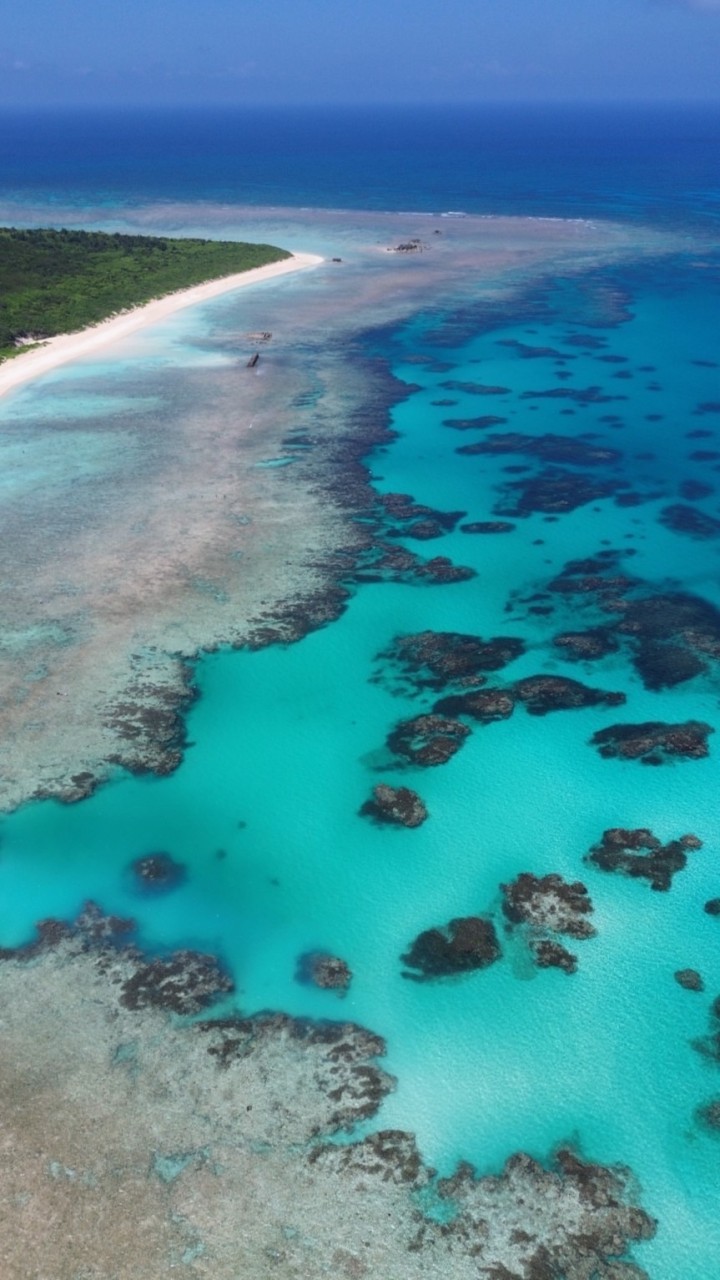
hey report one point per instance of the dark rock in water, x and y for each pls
(708, 1116)
(428, 739)
(553, 955)
(434, 659)
(474, 424)
(183, 983)
(639, 854)
(695, 490)
(484, 705)
(555, 491)
(688, 520)
(423, 530)
(549, 903)
(488, 526)
(689, 979)
(549, 448)
(527, 352)
(541, 694)
(158, 872)
(662, 666)
(386, 562)
(579, 646)
(709, 1046)
(712, 907)
(474, 388)
(320, 969)
(654, 742)
(581, 395)
(462, 946)
(402, 508)
(398, 805)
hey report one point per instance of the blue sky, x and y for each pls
(264, 51)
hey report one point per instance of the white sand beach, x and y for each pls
(85, 342)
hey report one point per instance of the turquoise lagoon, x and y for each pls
(285, 744)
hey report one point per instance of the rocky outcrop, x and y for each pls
(549, 903)
(397, 805)
(639, 854)
(483, 705)
(157, 873)
(320, 969)
(462, 946)
(546, 908)
(541, 694)
(654, 742)
(184, 982)
(690, 522)
(436, 659)
(428, 739)
(689, 979)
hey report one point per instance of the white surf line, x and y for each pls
(74, 346)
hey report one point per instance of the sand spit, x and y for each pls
(206, 505)
(136, 1147)
(67, 347)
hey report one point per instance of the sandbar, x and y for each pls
(85, 342)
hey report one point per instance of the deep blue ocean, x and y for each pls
(626, 362)
(656, 163)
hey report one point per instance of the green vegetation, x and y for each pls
(58, 281)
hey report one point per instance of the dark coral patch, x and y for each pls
(555, 491)
(690, 522)
(474, 424)
(689, 979)
(549, 448)
(184, 983)
(434, 659)
(483, 705)
(462, 946)
(399, 806)
(549, 903)
(653, 741)
(474, 388)
(157, 873)
(541, 694)
(320, 969)
(596, 642)
(427, 739)
(639, 854)
(488, 526)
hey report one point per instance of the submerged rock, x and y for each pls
(483, 705)
(435, 659)
(654, 742)
(549, 902)
(553, 955)
(689, 979)
(712, 907)
(542, 694)
(428, 739)
(639, 854)
(708, 1116)
(398, 805)
(184, 982)
(688, 520)
(462, 946)
(157, 872)
(488, 526)
(320, 969)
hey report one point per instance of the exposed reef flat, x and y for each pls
(134, 1146)
(218, 505)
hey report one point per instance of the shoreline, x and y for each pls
(65, 347)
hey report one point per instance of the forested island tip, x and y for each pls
(58, 281)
